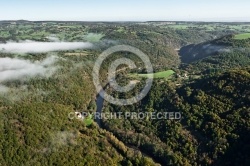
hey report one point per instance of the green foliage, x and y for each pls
(242, 36)
(35, 127)
(163, 74)
(214, 123)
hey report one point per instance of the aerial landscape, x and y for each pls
(117, 86)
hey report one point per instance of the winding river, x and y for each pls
(99, 104)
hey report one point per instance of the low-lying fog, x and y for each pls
(40, 47)
(21, 69)
(17, 69)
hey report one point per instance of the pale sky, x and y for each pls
(126, 10)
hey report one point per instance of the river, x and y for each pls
(99, 104)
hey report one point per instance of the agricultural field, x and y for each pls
(163, 74)
(208, 27)
(92, 37)
(242, 36)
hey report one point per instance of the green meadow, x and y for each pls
(163, 74)
(242, 36)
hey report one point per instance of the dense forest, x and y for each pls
(209, 88)
(215, 121)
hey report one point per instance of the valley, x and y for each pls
(46, 74)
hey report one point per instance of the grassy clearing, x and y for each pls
(163, 74)
(242, 36)
(76, 54)
(89, 120)
(179, 26)
(93, 37)
(4, 34)
(120, 29)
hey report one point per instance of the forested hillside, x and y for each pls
(218, 47)
(214, 128)
(201, 71)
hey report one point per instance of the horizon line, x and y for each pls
(212, 21)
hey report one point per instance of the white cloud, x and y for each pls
(63, 138)
(53, 38)
(39, 47)
(14, 69)
(3, 89)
